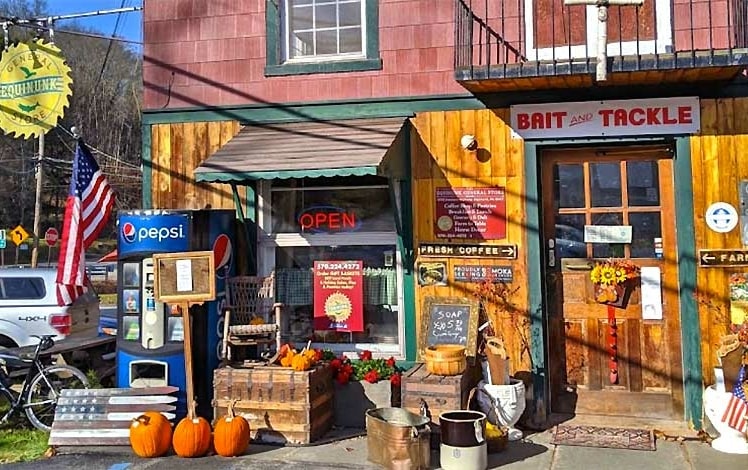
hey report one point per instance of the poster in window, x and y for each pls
(339, 295)
(131, 300)
(471, 213)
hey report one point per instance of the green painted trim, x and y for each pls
(224, 177)
(251, 208)
(147, 165)
(272, 33)
(693, 380)
(274, 65)
(307, 68)
(315, 110)
(406, 249)
(372, 30)
(534, 259)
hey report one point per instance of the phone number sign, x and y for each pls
(474, 213)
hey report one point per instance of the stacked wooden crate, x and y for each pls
(435, 394)
(283, 406)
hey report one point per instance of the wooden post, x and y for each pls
(38, 204)
(601, 72)
(190, 392)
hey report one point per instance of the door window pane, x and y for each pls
(608, 250)
(570, 236)
(569, 181)
(645, 227)
(605, 184)
(643, 183)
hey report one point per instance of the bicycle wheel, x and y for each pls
(45, 389)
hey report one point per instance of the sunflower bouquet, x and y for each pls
(610, 277)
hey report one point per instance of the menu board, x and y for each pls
(449, 320)
(339, 295)
(475, 213)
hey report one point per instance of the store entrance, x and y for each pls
(612, 204)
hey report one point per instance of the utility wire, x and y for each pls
(109, 47)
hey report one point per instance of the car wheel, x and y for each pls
(6, 342)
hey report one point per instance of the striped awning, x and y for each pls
(354, 147)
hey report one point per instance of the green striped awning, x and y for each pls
(354, 147)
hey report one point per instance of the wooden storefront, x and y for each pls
(702, 169)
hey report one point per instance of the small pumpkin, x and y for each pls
(300, 363)
(150, 435)
(311, 354)
(231, 434)
(192, 437)
(287, 359)
(256, 321)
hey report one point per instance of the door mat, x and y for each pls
(612, 438)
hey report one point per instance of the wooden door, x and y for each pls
(619, 186)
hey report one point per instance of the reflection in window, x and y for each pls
(643, 183)
(569, 181)
(608, 250)
(605, 184)
(645, 227)
(570, 236)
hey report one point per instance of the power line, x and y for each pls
(109, 47)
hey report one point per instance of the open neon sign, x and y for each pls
(328, 219)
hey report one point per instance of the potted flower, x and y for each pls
(613, 280)
(363, 384)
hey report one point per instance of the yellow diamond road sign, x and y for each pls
(19, 235)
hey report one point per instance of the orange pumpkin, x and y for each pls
(192, 437)
(150, 434)
(231, 434)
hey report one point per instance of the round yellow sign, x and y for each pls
(34, 88)
(338, 307)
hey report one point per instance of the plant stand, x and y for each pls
(353, 399)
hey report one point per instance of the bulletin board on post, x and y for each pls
(184, 277)
(449, 320)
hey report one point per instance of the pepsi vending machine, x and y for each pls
(150, 335)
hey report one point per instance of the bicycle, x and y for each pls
(41, 386)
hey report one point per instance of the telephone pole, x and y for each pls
(38, 203)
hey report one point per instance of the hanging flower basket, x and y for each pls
(613, 281)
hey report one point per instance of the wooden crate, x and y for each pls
(441, 393)
(282, 406)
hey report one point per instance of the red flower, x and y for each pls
(365, 355)
(391, 362)
(342, 378)
(318, 355)
(335, 364)
(347, 368)
(372, 376)
(396, 379)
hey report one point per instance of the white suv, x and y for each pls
(28, 306)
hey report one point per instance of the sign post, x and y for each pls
(185, 279)
(3, 243)
(50, 236)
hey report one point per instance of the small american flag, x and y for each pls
(737, 409)
(89, 204)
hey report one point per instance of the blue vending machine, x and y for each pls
(150, 335)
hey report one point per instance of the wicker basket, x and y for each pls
(445, 359)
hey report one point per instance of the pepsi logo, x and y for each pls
(222, 251)
(128, 232)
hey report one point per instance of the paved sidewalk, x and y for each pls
(535, 452)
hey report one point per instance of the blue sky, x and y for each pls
(130, 24)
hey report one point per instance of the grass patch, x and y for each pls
(19, 441)
(108, 299)
(22, 445)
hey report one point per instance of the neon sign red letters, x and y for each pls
(327, 221)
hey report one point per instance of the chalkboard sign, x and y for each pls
(449, 320)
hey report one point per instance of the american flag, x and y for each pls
(89, 204)
(737, 409)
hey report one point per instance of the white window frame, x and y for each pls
(663, 15)
(267, 242)
(286, 53)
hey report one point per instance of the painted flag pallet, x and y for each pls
(102, 416)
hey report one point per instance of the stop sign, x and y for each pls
(50, 236)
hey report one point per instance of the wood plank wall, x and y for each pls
(719, 162)
(176, 150)
(439, 160)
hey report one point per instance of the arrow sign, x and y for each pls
(723, 258)
(453, 250)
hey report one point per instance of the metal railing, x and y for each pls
(494, 35)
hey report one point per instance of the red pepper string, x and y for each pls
(612, 345)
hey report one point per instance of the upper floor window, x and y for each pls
(324, 29)
(321, 36)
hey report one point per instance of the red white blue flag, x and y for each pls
(737, 409)
(87, 210)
